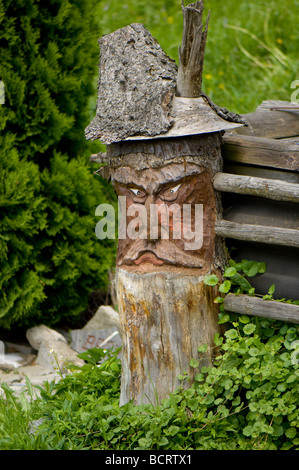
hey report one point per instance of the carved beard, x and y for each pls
(172, 185)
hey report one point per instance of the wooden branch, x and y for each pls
(257, 233)
(262, 187)
(262, 151)
(192, 51)
(249, 305)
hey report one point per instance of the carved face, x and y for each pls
(169, 217)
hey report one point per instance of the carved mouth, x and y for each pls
(163, 254)
(148, 257)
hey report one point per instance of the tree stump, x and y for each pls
(166, 310)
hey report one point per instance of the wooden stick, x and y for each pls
(277, 190)
(257, 233)
(249, 305)
(192, 51)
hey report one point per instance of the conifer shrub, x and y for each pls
(50, 259)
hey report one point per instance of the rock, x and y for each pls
(57, 355)
(15, 355)
(33, 425)
(37, 335)
(36, 374)
(104, 318)
(87, 339)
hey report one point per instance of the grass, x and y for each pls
(252, 48)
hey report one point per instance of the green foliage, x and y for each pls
(247, 400)
(50, 259)
(235, 279)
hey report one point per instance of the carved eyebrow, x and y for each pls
(170, 184)
(130, 185)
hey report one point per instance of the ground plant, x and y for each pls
(246, 400)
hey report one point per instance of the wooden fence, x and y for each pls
(260, 192)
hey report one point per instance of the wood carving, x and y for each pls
(163, 152)
(164, 194)
(166, 310)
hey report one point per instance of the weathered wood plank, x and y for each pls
(272, 123)
(276, 104)
(261, 172)
(261, 151)
(257, 233)
(249, 305)
(261, 187)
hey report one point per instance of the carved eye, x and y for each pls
(138, 192)
(170, 194)
(175, 189)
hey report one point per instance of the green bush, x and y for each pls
(50, 259)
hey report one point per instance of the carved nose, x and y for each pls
(153, 228)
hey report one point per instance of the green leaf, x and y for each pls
(218, 340)
(163, 441)
(145, 443)
(244, 319)
(229, 272)
(203, 348)
(223, 319)
(194, 363)
(225, 287)
(291, 433)
(250, 268)
(291, 378)
(240, 281)
(231, 334)
(85, 417)
(248, 430)
(211, 280)
(262, 268)
(172, 430)
(249, 328)
(271, 289)
(254, 352)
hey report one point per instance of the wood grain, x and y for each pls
(272, 123)
(249, 305)
(262, 151)
(261, 187)
(257, 233)
(165, 317)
